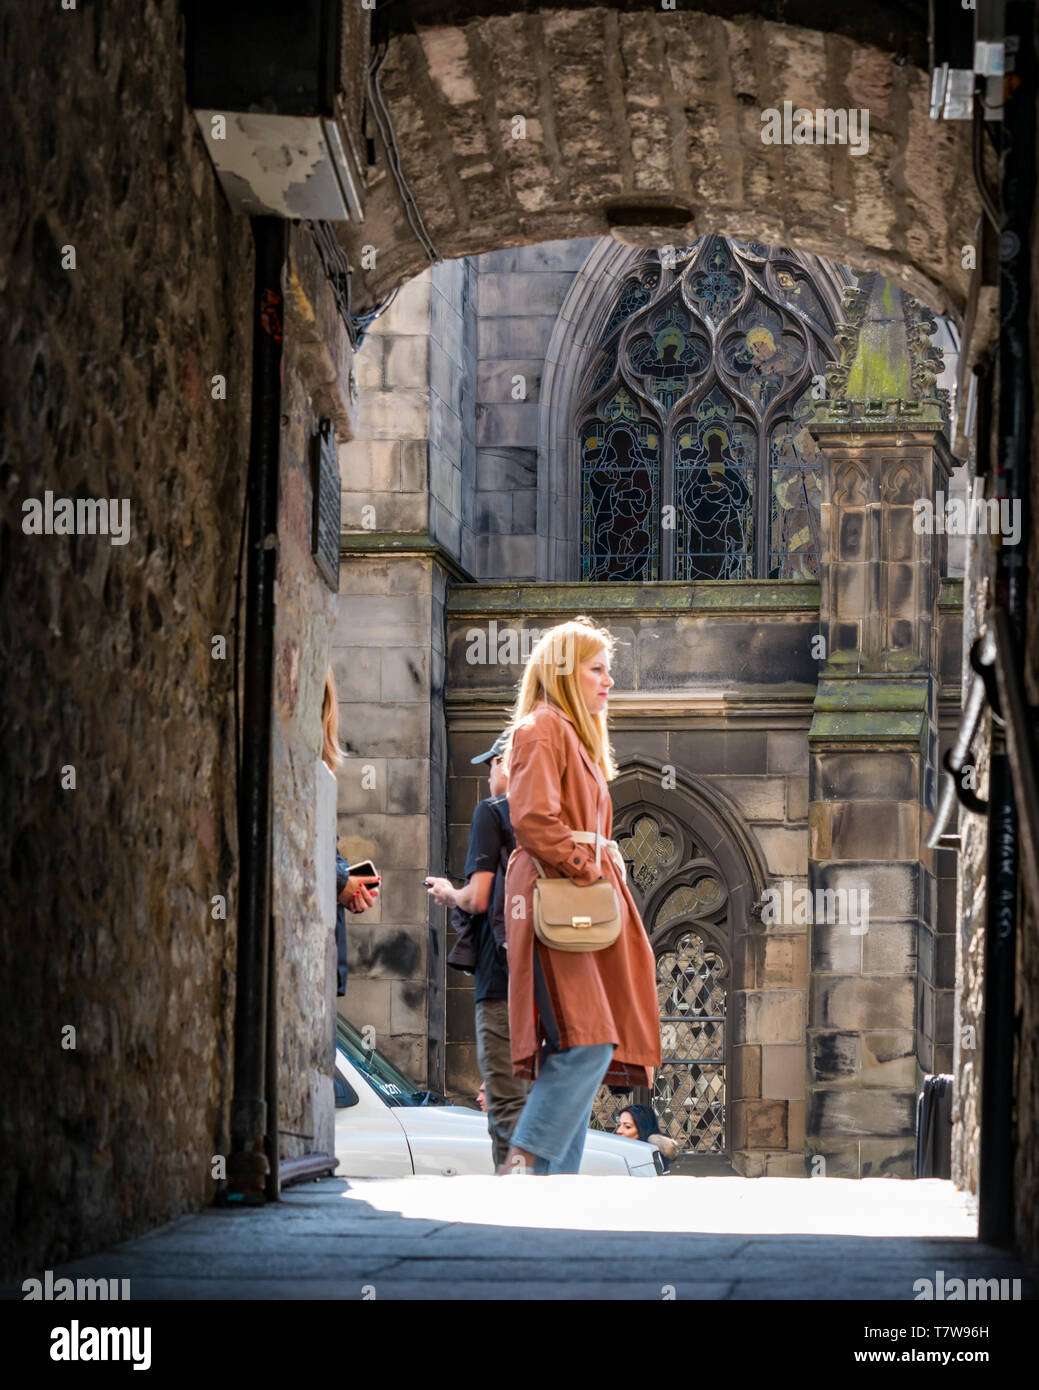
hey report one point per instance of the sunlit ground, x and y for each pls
(766, 1206)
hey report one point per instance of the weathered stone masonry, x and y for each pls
(107, 915)
(130, 378)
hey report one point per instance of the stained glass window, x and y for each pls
(620, 464)
(696, 459)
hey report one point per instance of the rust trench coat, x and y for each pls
(607, 996)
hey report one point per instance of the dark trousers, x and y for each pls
(506, 1093)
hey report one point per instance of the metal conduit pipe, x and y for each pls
(955, 759)
(247, 1167)
(996, 1162)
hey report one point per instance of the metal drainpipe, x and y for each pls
(248, 1168)
(996, 1160)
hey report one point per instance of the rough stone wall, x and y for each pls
(108, 924)
(315, 385)
(1026, 1172)
(629, 103)
(971, 897)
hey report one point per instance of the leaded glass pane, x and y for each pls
(669, 356)
(795, 289)
(647, 850)
(689, 1088)
(607, 366)
(715, 462)
(620, 487)
(718, 286)
(637, 292)
(796, 463)
(690, 900)
(763, 358)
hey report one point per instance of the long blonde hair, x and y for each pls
(551, 674)
(330, 751)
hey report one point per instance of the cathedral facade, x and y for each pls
(714, 451)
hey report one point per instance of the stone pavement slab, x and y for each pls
(566, 1238)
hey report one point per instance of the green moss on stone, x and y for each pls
(871, 695)
(863, 725)
(713, 596)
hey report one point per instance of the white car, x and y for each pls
(386, 1127)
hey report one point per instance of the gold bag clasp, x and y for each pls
(581, 922)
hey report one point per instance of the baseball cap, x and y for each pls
(495, 752)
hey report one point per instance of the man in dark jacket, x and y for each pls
(491, 841)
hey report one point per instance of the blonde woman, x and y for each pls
(576, 1019)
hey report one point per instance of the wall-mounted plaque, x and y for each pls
(325, 480)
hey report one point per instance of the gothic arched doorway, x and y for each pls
(692, 881)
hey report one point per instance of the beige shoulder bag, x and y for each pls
(572, 917)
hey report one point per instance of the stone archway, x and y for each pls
(514, 123)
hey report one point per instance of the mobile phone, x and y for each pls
(366, 869)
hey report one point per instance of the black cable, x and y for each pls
(385, 124)
(995, 216)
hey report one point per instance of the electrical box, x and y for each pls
(264, 79)
(966, 43)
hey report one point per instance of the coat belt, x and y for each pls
(592, 837)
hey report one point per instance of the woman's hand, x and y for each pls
(442, 891)
(359, 893)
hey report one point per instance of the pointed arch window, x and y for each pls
(696, 460)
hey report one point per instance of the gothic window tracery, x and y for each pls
(696, 459)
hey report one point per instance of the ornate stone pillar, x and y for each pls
(873, 739)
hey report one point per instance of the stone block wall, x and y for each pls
(521, 292)
(384, 469)
(384, 660)
(452, 408)
(407, 480)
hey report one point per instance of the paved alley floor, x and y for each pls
(568, 1238)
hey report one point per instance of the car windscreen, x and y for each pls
(378, 1071)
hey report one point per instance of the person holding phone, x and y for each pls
(491, 841)
(357, 887)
